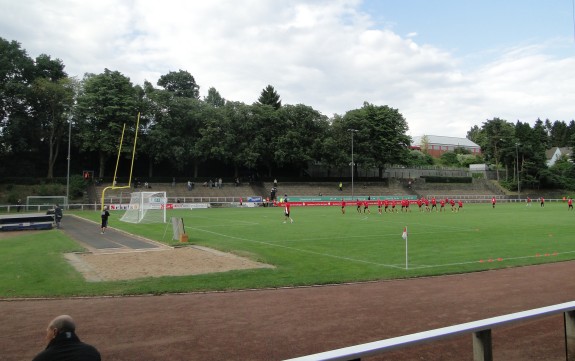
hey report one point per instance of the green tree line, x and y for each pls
(179, 134)
(182, 134)
(520, 149)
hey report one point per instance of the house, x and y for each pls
(436, 145)
(554, 154)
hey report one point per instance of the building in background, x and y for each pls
(554, 154)
(436, 145)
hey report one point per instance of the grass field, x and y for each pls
(322, 246)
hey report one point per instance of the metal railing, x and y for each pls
(480, 331)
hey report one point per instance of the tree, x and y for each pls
(425, 144)
(175, 131)
(335, 148)
(53, 106)
(560, 175)
(530, 149)
(418, 158)
(35, 98)
(106, 102)
(267, 125)
(215, 141)
(558, 134)
(381, 138)
(48, 68)
(181, 84)
(17, 134)
(247, 137)
(214, 98)
(16, 74)
(270, 97)
(449, 159)
(299, 142)
(499, 134)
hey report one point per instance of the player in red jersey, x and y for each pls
(366, 207)
(379, 204)
(452, 204)
(433, 204)
(460, 204)
(287, 212)
(393, 206)
(542, 200)
(442, 205)
(570, 204)
(358, 206)
(493, 201)
(386, 205)
(342, 206)
(420, 204)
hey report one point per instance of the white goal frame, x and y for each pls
(39, 203)
(146, 207)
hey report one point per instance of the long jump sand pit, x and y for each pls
(180, 261)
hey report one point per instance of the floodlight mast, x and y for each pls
(68, 170)
(518, 180)
(352, 164)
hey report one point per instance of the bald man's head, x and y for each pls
(63, 323)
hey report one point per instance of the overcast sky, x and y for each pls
(446, 65)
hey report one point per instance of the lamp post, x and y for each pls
(68, 174)
(352, 164)
(518, 180)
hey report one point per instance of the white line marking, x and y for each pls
(302, 250)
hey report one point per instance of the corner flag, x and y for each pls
(404, 236)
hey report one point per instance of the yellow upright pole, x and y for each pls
(116, 170)
(118, 161)
(134, 150)
(118, 158)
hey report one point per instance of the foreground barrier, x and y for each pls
(480, 331)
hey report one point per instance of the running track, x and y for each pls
(285, 323)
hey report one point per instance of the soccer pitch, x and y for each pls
(322, 246)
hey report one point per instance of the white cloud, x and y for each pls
(326, 54)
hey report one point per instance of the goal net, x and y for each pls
(146, 207)
(42, 203)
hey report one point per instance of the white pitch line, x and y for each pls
(302, 250)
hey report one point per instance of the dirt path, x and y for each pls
(284, 323)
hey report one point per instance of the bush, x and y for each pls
(77, 186)
(50, 190)
(510, 185)
(13, 198)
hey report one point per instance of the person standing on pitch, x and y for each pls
(58, 215)
(287, 212)
(105, 215)
(63, 344)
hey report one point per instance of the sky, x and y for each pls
(445, 65)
